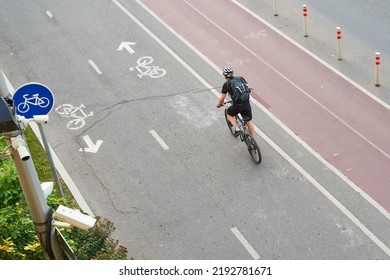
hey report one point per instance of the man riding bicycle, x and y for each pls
(244, 108)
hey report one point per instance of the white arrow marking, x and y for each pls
(92, 148)
(126, 45)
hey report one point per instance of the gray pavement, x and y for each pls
(365, 31)
(186, 201)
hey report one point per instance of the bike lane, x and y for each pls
(339, 121)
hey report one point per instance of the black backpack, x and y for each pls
(241, 91)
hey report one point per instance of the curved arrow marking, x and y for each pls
(92, 147)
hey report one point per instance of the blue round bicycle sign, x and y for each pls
(33, 99)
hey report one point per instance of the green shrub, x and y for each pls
(18, 239)
(10, 191)
(96, 243)
(17, 236)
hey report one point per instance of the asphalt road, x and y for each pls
(192, 192)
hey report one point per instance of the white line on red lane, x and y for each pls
(339, 205)
(380, 101)
(274, 118)
(375, 204)
(291, 82)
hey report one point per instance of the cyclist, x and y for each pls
(243, 108)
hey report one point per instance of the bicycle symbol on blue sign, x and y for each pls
(33, 99)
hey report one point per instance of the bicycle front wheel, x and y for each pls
(231, 128)
(253, 149)
(23, 107)
(157, 73)
(76, 124)
(44, 102)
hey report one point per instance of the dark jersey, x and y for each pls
(245, 108)
(227, 88)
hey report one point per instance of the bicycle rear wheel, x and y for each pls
(231, 128)
(253, 149)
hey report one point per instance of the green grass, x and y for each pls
(42, 164)
(95, 243)
(39, 156)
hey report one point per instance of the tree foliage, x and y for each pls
(18, 239)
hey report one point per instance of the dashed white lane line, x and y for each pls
(339, 205)
(245, 243)
(159, 140)
(49, 14)
(260, 106)
(94, 66)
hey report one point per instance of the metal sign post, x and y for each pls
(51, 161)
(32, 100)
(40, 212)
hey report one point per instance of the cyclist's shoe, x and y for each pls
(237, 132)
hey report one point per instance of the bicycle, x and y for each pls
(35, 100)
(145, 70)
(76, 113)
(244, 134)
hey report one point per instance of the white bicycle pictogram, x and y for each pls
(35, 100)
(76, 113)
(144, 69)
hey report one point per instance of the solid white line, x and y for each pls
(275, 119)
(161, 43)
(159, 140)
(245, 243)
(327, 194)
(185, 42)
(292, 83)
(367, 197)
(49, 14)
(351, 184)
(64, 174)
(94, 66)
(297, 138)
(266, 138)
(380, 101)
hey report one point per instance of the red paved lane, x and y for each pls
(339, 121)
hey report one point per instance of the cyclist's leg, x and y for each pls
(232, 111)
(251, 128)
(247, 112)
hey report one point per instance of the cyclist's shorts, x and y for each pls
(245, 110)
